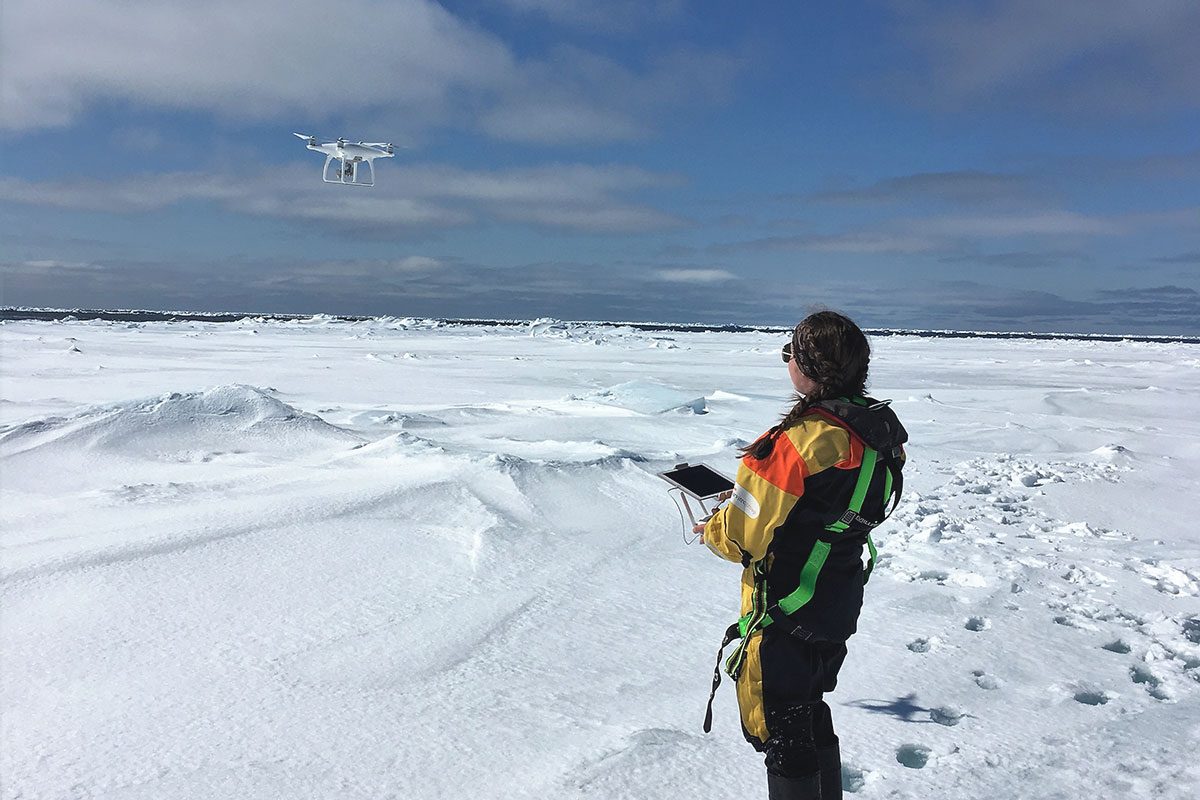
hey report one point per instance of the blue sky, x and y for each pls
(1002, 166)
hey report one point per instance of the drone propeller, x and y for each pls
(306, 137)
(387, 147)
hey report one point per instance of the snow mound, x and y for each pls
(550, 451)
(649, 397)
(1116, 453)
(402, 444)
(181, 427)
(385, 418)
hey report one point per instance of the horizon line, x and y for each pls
(48, 314)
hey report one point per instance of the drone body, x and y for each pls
(349, 155)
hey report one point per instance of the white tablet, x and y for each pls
(699, 480)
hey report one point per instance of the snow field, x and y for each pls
(400, 559)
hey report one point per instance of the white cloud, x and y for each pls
(694, 275)
(549, 183)
(610, 219)
(1069, 55)
(870, 243)
(1053, 223)
(292, 194)
(945, 234)
(94, 195)
(406, 64)
(544, 120)
(56, 265)
(417, 263)
(569, 196)
(860, 242)
(609, 16)
(354, 211)
(237, 59)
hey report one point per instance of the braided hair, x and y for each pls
(834, 353)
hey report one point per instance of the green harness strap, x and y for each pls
(865, 473)
(870, 560)
(758, 617)
(751, 621)
(797, 599)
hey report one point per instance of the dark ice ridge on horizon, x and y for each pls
(138, 315)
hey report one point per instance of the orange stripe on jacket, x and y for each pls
(784, 468)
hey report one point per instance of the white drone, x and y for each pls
(350, 155)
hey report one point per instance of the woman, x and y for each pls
(808, 493)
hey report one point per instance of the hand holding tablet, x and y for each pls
(700, 482)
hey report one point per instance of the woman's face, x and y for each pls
(803, 384)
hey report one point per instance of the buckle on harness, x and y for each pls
(784, 620)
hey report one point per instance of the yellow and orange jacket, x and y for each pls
(778, 515)
(781, 505)
(779, 508)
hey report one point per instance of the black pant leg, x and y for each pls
(796, 674)
(791, 751)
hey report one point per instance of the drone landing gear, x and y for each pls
(343, 170)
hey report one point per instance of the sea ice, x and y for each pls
(266, 559)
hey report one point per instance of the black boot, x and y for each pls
(806, 788)
(830, 760)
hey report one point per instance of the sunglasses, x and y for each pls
(787, 352)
